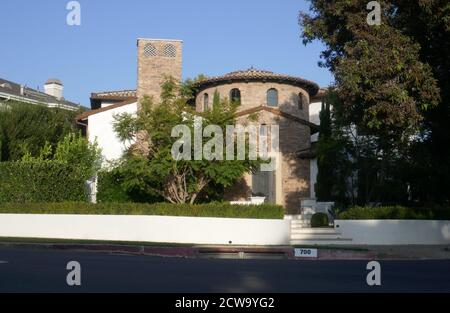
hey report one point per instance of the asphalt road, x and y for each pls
(25, 270)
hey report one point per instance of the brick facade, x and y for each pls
(293, 174)
(156, 59)
(254, 94)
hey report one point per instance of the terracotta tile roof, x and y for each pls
(85, 115)
(115, 95)
(253, 74)
(320, 94)
(314, 128)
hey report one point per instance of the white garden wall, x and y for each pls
(394, 232)
(147, 229)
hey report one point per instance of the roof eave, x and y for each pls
(310, 87)
(86, 115)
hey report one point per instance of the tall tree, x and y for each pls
(325, 162)
(384, 87)
(334, 165)
(26, 128)
(155, 169)
(428, 24)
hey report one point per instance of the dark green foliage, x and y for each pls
(216, 98)
(392, 112)
(188, 88)
(26, 128)
(41, 181)
(42, 157)
(76, 150)
(150, 167)
(125, 183)
(319, 220)
(109, 188)
(73, 150)
(325, 161)
(428, 23)
(265, 211)
(333, 165)
(396, 213)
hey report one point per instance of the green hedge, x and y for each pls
(40, 181)
(265, 211)
(112, 189)
(319, 220)
(395, 213)
(109, 189)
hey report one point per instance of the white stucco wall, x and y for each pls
(101, 129)
(165, 229)
(314, 117)
(313, 170)
(314, 112)
(394, 232)
(107, 103)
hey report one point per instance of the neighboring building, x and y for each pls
(52, 95)
(278, 99)
(315, 107)
(99, 121)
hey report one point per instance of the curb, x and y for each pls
(110, 248)
(201, 251)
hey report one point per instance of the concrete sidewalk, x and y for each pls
(242, 252)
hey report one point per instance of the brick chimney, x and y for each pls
(157, 58)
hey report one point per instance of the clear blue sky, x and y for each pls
(219, 37)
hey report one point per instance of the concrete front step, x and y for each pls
(313, 231)
(308, 235)
(295, 222)
(300, 224)
(293, 217)
(315, 236)
(309, 242)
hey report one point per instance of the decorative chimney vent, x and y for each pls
(54, 87)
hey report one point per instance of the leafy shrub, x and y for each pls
(179, 179)
(109, 188)
(266, 211)
(319, 220)
(26, 128)
(76, 150)
(396, 213)
(40, 181)
(124, 184)
(73, 149)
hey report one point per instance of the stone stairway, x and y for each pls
(303, 234)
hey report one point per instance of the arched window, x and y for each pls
(264, 141)
(300, 101)
(263, 130)
(205, 102)
(170, 51)
(272, 97)
(149, 50)
(235, 96)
